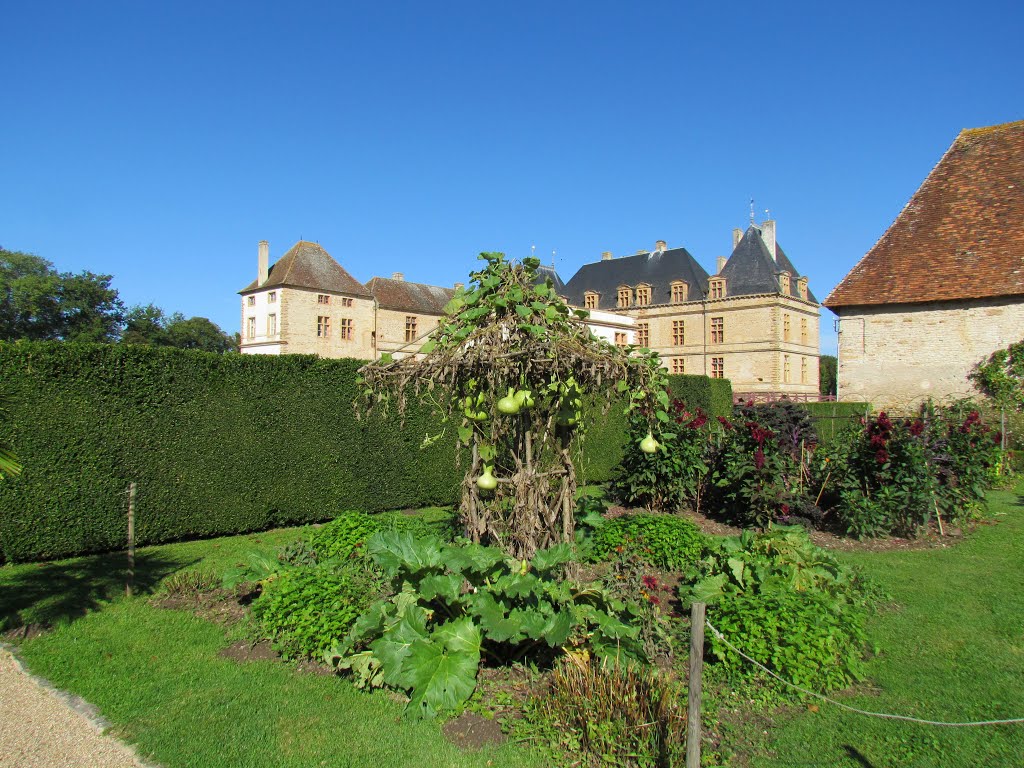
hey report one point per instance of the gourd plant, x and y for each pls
(516, 367)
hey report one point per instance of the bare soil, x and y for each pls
(243, 651)
(472, 731)
(219, 606)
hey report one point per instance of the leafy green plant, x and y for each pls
(611, 715)
(786, 603)
(190, 581)
(665, 541)
(304, 611)
(454, 605)
(350, 530)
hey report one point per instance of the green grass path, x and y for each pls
(954, 650)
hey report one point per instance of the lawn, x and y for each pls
(952, 651)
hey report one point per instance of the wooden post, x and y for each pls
(696, 668)
(131, 539)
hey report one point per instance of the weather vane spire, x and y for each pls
(751, 211)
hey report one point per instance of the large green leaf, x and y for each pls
(472, 557)
(442, 670)
(557, 628)
(447, 586)
(398, 551)
(710, 589)
(393, 648)
(552, 557)
(517, 584)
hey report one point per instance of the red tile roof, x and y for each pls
(410, 297)
(307, 265)
(961, 236)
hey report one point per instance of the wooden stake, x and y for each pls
(696, 668)
(938, 516)
(131, 540)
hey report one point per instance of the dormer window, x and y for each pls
(643, 295)
(716, 288)
(801, 287)
(590, 300)
(625, 296)
(679, 290)
(784, 283)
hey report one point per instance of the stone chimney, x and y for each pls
(397, 276)
(606, 256)
(660, 246)
(263, 263)
(737, 235)
(768, 235)
(459, 286)
(721, 264)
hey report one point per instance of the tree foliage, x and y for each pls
(827, 375)
(1001, 377)
(39, 303)
(515, 367)
(149, 324)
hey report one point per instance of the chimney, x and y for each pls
(263, 263)
(660, 246)
(606, 256)
(397, 276)
(459, 286)
(721, 264)
(768, 235)
(737, 235)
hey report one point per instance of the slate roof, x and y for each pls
(307, 265)
(544, 271)
(404, 296)
(961, 236)
(751, 269)
(658, 269)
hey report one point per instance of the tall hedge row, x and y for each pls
(830, 418)
(217, 445)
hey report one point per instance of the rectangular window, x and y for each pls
(717, 289)
(785, 369)
(347, 332)
(323, 327)
(590, 301)
(643, 296)
(272, 297)
(251, 301)
(250, 328)
(717, 367)
(717, 330)
(323, 298)
(620, 339)
(678, 293)
(624, 297)
(785, 327)
(678, 332)
(643, 335)
(410, 328)
(803, 370)
(345, 302)
(678, 365)
(271, 325)
(803, 330)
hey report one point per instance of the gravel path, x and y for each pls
(41, 727)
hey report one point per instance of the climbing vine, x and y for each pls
(513, 367)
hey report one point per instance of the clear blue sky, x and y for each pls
(159, 141)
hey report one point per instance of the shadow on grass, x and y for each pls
(854, 754)
(46, 594)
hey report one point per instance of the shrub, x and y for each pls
(190, 582)
(352, 528)
(613, 715)
(304, 611)
(786, 603)
(664, 541)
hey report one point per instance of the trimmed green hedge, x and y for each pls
(713, 396)
(830, 418)
(219, 444)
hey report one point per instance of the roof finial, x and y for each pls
(768, 214)
(751, 211)
(533, 251)
(553, 252)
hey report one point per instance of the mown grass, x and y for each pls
(953, 650)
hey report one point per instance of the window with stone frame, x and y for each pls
(716, 289)
(786, 371)
(250, 328)
(346, 302)
(323, 327)
(590, 300)
(801, 287)
(271, 325)
(643, 335)
(347, 330)
(678, 333)
(621, 339)
(323, 298)
(717, 330)
(643, 295)
(410, 328)
(272, 297)
(679, 292)
(784, 283)
(803, 330)
(785, 327)
(678, 365)
(803, 370)
(717, 367)
(251, 301)
(625, 296)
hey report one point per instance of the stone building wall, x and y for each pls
(300, 310)
(896, 356)
(391, 328)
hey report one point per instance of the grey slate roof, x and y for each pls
(751, 269)
(307, 265)
(657, 269)
(544, 271)
(404, 296)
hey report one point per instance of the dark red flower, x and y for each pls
(759, 458)
(725, 422)
(654, 599)
(785, 509)
(917, 428)
(649, 582)
(882, 456)
(698, 422)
